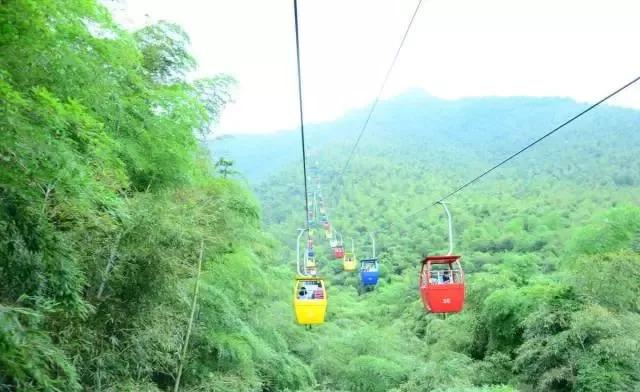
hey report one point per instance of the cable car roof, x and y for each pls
(444, 259)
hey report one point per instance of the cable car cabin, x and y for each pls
(311, 262)
(338, 252)
(369, 272)
(326, 225)
(309, 300)
(322, 210)
(310, 253)
(442, 284)
(328, 234)
(349, 262)
(310, 243)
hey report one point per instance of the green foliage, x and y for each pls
(590, 349)
(106, 193)
(616, 230)
(30, 360)
(609, 279)
(165, 52)
(368, 373)
(547, 243)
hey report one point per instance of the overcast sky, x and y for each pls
(582, 49)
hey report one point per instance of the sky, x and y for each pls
(582, 49)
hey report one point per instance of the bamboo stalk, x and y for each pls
(191, 317)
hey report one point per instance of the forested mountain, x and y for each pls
(418, 126)
(549, 244)
(109, 200)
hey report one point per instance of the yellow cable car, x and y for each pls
(309, 300)
(311, 262)
(349, 262)
(328, 234)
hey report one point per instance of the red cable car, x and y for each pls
(338, 252)
(442, 284)
(442, 279)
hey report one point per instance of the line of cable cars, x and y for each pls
(369, 268)
(441, 281)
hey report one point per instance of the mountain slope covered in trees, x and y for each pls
(550, 245)
(106, 195)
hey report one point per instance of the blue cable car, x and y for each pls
(369, 273)
(370, 268)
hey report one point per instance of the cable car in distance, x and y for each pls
(310, 261)
(349, 262)
(442, 279)
(337, 245)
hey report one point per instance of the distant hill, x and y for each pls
(417, 126)
(543, 240)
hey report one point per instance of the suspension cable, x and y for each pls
(384, 83)
(515, 154)
(304, 153)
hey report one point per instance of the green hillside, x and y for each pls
(543, 240)
(419, 127)
(109, 202)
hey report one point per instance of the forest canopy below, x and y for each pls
(550, 242)
(107, 192)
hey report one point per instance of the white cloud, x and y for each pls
(457, 48)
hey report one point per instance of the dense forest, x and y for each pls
(105, 197)
(550, 243)
(109, 193)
